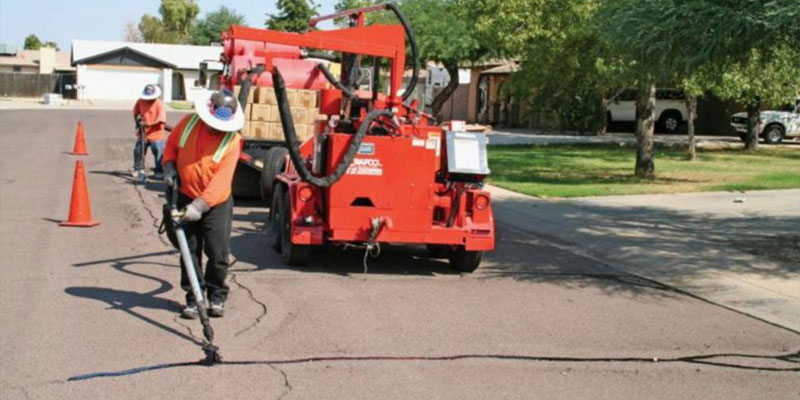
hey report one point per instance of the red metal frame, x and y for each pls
(399, 181)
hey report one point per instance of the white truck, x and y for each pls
(774, 126)
(670, 111)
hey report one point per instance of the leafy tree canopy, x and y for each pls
(292, 16)
(177, 18)
(208, 29)
(32, 42)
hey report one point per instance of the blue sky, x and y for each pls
(61, 21)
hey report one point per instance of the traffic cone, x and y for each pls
(80, 142)
(80, 211)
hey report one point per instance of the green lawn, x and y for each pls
(603, 170)
(181, 105)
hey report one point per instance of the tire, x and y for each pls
(670, 122)
(465, 261)
(292, 254)
(437, 250)
(773, 134)
(274, 161)
(743, 136)
(275, 210)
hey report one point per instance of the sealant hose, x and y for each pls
(332, 79)
(293, 145)
(412, 41)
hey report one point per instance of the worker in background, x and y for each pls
(202, 153)
(154, 120)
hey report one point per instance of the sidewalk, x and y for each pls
(700, 243)
(537, 137)
(16, 103)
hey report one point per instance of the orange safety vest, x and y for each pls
(205, 161)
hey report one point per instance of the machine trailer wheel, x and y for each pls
(438, 250)
(274, 161)
(274, 221)
(465, 261)
(292, 254)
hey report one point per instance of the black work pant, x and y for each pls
(210, 235)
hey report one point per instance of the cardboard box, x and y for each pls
(259, 130)
(307, 98)
(276, 131)
(245, 132)
(265, 95)
(300, 115)
(238, 89)
(261, 112)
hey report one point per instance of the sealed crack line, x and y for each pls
(707, 359)
(252, 297)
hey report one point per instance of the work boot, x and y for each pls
(190, 311)
(217, 309)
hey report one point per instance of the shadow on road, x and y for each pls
(127, 301)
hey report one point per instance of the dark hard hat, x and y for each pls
(223, 104)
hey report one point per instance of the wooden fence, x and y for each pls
(35, 85)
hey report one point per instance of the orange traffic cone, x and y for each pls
(80, 142)
(80, 212)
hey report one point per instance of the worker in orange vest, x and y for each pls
(202, 153)
(154, 119)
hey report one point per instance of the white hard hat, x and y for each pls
(220, 110)
(151, 92)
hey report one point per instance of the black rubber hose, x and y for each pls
(454, 209)
(246, 82)
(293, 145)
(332, 79)
(412, 40)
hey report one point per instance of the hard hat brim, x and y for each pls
(156, 94)
(235, 124)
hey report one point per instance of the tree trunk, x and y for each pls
(645, 124)
(691, 107)
(753, 119)
(441, 98)
(602, 128)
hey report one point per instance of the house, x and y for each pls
(119, 70)
(43, 61)
(479, 95)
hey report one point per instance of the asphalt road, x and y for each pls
(535, 321)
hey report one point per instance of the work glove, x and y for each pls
(170, 174)
(194, 211)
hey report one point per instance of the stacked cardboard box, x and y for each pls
(264, 121)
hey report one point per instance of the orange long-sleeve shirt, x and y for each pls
(153, 113)
(200, 176)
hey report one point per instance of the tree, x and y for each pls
(765, 77)
(177, 18)
(152, 29)
(292, 16)
(668, 41)
(344, 5)
(131, 33)
(563, 66)
(32, 42)
(51, 44)
(445, 34)
(209, 29)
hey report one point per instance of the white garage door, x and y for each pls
(116, 83)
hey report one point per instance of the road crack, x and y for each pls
(287, 387)
(255, 300)
(153, 216)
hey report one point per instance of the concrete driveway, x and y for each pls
(92, 313)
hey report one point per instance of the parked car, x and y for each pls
(670, 112)
(774, 126)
